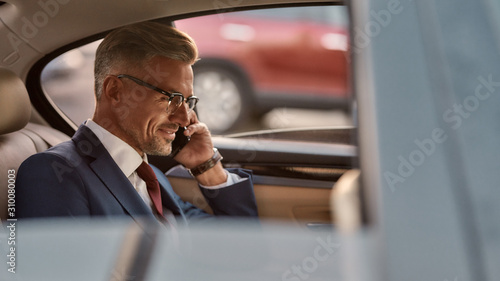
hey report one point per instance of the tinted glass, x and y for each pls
(261, 69)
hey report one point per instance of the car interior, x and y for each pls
(283, 192)
(402, 184)
(294, 170)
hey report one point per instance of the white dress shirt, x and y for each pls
(128, 160)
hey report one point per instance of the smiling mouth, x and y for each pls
(167, 133)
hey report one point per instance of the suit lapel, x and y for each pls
(121, 188)
(110, 174)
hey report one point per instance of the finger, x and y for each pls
(197, 128)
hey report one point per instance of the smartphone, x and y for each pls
(179, 142)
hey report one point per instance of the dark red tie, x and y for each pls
(146, 173)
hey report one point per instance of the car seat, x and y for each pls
(19, 139)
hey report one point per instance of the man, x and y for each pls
(144, 94)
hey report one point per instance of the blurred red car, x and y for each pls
(254, 61)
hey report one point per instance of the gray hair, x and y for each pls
(133, 46)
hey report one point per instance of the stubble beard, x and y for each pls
(156, 146)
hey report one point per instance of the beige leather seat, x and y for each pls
(19, 139)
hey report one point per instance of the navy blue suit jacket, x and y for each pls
(80, 178)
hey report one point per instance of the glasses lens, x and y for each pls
(175, 103)
(178, 99)
(191, 102)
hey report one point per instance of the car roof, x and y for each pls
(33, 29)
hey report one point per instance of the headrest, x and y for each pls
(15, 106)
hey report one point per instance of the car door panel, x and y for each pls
(293, 180)
(292, 204)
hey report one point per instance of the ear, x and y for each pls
(112, 87)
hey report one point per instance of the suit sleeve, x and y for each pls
(237, 200)
(234, 200)
(49, 186)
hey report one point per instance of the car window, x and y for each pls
(335, 15)
(259, 69)
(68, 81)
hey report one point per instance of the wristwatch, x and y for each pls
(210, 163)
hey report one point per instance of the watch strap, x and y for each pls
(210, 163)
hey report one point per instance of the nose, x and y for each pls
(180, 116)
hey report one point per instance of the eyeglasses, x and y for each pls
(175, 100)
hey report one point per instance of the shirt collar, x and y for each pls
(125, 156)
